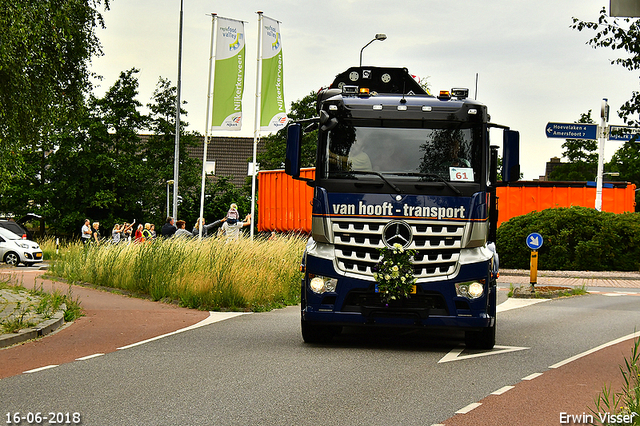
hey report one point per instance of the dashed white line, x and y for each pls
(532, 376)
(502, 390)
(468, 408)
(84, 358)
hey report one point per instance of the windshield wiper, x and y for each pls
(363, 172)
(431, 175)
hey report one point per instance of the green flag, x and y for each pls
(272, 112)
(228, 83)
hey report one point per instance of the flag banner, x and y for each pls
(228, 85)
(272, 109)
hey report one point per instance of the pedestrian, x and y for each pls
(116, 233)
(138, 236)
(126, 230)
(232, 231)
(206, 228)
(181, 231)
(169, 228)
(232, 215)
(146, 232)
(85, 233)
(95, 233)
(153, 231)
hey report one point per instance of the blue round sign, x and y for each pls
(534, 241)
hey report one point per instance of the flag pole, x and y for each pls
(176, 160)
(206, 125)
(256, 131)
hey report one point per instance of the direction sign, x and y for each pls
(572, 130)
(534, 241)
(623, 133)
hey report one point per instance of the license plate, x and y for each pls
(413, 289)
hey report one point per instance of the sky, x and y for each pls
(532, 67)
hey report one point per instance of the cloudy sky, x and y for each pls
(532, 67)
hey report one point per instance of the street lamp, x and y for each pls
(381, 37)
(169, 182)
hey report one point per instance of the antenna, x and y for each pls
(476, 96)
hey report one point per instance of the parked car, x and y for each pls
(14, 227)
(15, 250)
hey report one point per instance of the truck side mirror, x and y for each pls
(511, 156)
(292, 161)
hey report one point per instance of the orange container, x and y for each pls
(284, 204)
(518, 198)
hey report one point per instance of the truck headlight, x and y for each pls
(321, 285)
(470, 290)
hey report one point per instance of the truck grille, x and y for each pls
(437, 245)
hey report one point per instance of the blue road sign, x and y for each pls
(571, 131)
(623, 133)
(534, 241)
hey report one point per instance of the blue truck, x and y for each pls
(397, 166)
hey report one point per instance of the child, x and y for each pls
(232, 214)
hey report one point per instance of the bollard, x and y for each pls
(533, 275)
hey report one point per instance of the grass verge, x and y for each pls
(208, 274)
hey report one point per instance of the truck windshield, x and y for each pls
(447, 152)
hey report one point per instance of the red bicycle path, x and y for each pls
(110, 321)
(113, 320)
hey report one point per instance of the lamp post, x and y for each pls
(381, 37)
(169, 182)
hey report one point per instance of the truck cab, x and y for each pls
(397, 166)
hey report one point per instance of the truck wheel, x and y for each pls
(314, 333)
(484, 339)
(11, 258)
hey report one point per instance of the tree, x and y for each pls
(582, 155)
(276, 144)
(611, 34)
(45, 51)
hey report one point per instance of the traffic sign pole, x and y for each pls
(604, 112)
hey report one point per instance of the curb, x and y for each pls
(42, 329)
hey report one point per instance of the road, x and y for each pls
(254, 369)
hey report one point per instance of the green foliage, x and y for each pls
(45, 51)
(276, 144)
(627, 401)
(576, 238)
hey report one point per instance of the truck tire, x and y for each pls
(314, 333)
(484, 339)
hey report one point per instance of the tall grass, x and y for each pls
(208, 274)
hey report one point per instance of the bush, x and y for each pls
(575, 239)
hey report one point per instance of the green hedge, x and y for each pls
(575, 239)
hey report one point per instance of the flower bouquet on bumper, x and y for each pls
(394, 273)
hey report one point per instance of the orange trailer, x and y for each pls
(285, 204)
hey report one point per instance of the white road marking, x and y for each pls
(532, 376)
(515, 303)
(597, 348)
(35, 370)
(213, 318)
(468, 408)
(502, 390)
(454, 354)
(84, 358)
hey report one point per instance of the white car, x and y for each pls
(14, 250)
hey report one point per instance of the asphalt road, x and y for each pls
(254, 369)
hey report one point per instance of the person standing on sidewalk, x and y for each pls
(168, 229)
(85, 233)
(95, 233)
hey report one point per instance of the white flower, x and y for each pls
(387, 277)
(395, 268)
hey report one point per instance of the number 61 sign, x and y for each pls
(461, 174)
